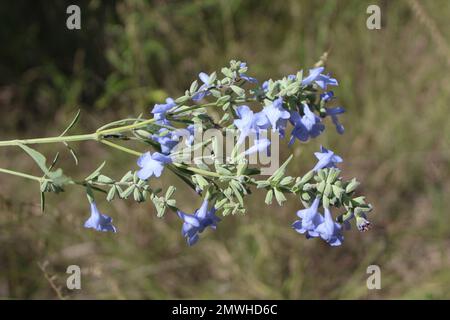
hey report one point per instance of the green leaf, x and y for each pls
(238, 90)
(221, 203)
(127, 192)
(262, 184)
(170, 191)
(306, 196)
(171, 202)
(212, 78)
(96, 173)
(236, 192)
(193, 87)
(321, 186)
(359, 200)
(74, 121)
(37, 157)
(128, 177)
(327, 190)
(182, 99)
(138, 196)
(323, 173)
(286, 181)
(104, 179)
(352, 186)
(111, 194)
(332, 175)
(279, 196)
(279, 173)
(200, 181)
(227, 72)
(338, 192)
(223, 171)
(307, 177)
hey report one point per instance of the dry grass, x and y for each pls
(395, 84)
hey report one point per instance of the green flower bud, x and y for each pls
(352, 186)
(269, 197)
(111, 193)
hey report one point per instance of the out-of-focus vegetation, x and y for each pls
(394, 82)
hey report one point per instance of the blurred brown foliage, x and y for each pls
(130, 54)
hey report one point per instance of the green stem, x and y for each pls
(93, 136)
(121, 148)
(179, 165)
(197, 170)
(81, 137)
(23, 175)
(126, 128)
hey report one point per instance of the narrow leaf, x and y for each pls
(74, 121)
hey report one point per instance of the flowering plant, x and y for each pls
(293, 107)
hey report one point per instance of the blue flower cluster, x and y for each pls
(312, 223)
(195, 223)
(306, 124)
(300, 102)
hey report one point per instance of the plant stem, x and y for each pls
(23, 175)
(197, 170)
(179, 165)
(119, 147)
(125, 128)
(81, 137)
(93, 136)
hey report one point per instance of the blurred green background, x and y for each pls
(131, 54)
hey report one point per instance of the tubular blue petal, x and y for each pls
(189, 218)
(259, 146)
(313, 74)
(203, 210)
(204, 77)
(99, 221)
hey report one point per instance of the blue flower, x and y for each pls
(277, 115)
(196, 223)
(159, 111)
(249, 122)
(265, 86)
(310, 220)
(327, 96)
(188, 133)
(308, 126)
(152, 164)
(99, 221)
(329, 230)
(203, 91)
(315, 75)
(292, 77)
(260, 145)
(327, 159)
(244, 76)
(325, 80)
(334, 112)
(314, 225)
(167, 139)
